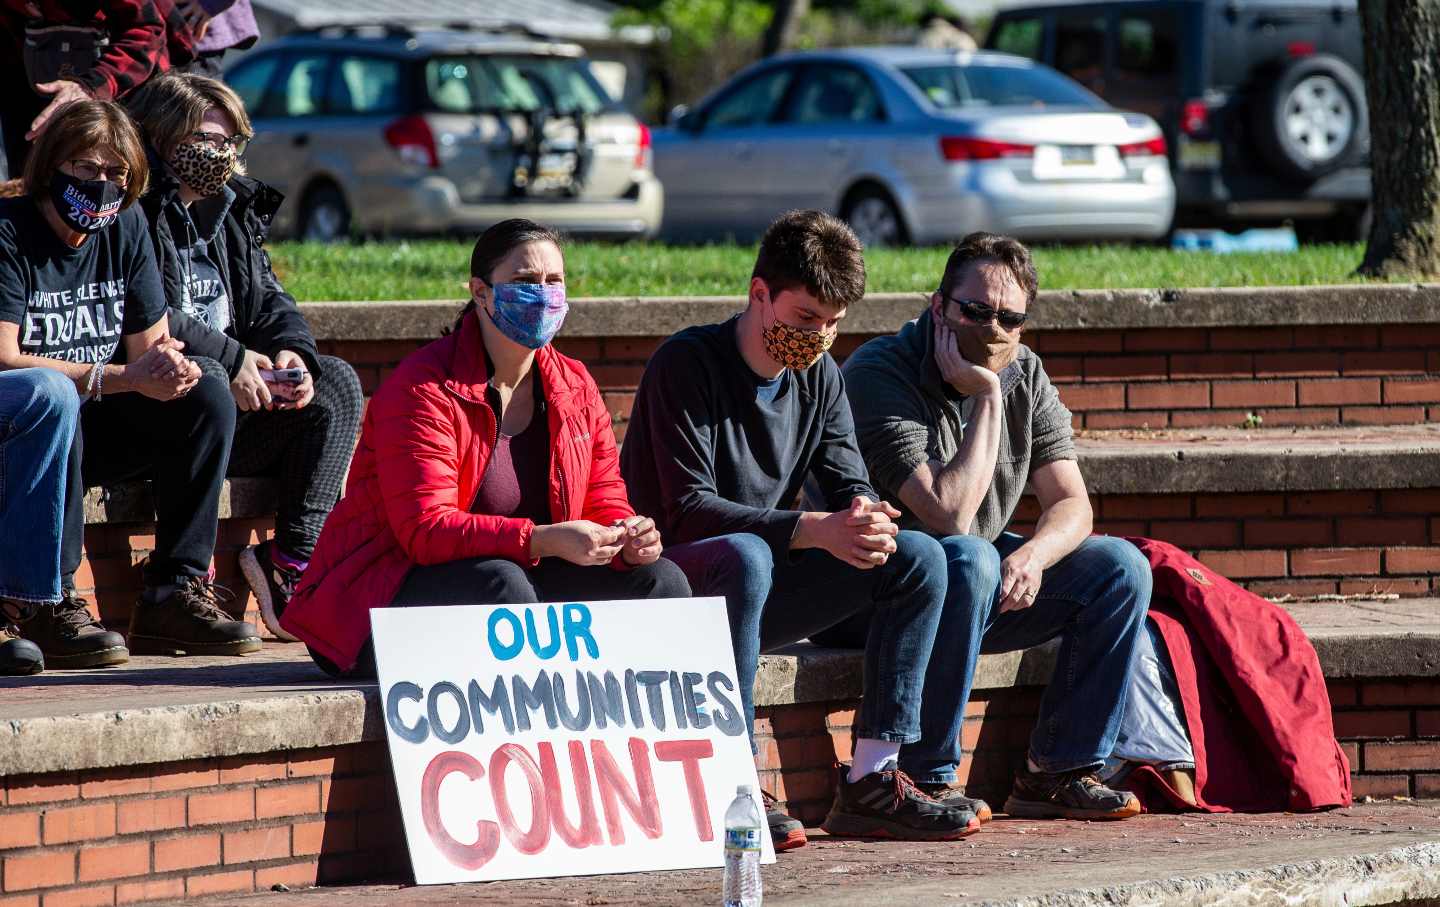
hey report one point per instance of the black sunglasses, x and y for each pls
(980, 313)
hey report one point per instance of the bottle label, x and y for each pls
(742, 839)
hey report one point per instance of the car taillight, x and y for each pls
(413, 141)
(960, 148)
(1155, 147)
(1195, 118)
(1300, 48)
(642, 151)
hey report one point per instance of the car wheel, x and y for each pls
(1312, 120)
(874, 218)
(324, 216)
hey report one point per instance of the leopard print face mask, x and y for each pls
(794, 348)
(204, 168)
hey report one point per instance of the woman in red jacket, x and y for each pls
(487, 473)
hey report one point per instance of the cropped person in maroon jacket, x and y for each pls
(487, 473)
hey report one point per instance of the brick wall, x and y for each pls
(184, 829)
(1389, 729)
(1160, 378)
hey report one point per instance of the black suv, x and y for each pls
(1261, 101)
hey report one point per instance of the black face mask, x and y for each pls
(86, 206)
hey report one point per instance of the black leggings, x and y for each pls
(308, 450)
(496, 581)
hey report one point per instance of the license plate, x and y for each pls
(1077, 155)
(1199, 155)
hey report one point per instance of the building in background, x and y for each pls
(617, 56)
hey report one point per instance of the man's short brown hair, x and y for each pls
(171, 106)
(1005, 250)
(813, 250)
(79, 127)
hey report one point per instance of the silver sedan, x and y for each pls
(913, 145)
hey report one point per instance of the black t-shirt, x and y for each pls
(75, 304)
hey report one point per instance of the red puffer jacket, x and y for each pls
(426, 439)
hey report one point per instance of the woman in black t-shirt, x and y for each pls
(79, 294)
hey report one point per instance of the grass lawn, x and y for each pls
(437, 269)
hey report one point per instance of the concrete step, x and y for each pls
(1378, 854)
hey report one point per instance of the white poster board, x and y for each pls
(562, 739)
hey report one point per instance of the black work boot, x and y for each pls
(18, 657)
(954, 795)
(1067, 795)
(190, 621)
(71, 638)
(887, 804)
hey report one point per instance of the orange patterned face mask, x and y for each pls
(795, 348)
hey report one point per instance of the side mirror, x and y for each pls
(683, 118)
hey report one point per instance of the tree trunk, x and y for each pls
(1402, 85)
(783, 25)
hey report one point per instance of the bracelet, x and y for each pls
(99, 382)
(90, 380)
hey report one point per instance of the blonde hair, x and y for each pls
(81, 126)
(171, 106)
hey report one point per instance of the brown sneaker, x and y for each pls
(71, 638)
(191, 621)
(954, 795)
(1067, 795)
(887, 804)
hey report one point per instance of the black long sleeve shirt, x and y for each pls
(705, 456)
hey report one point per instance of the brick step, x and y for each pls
(183, 777)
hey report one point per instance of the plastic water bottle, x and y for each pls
(743, 826)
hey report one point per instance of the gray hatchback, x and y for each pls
(913, 145)
(385, 130)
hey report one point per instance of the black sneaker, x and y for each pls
(887, 804)
(272, 584)
(1067, 795)
(18, 657)
(71, 638)
(954, 795)
(786, 833)
(190, 621)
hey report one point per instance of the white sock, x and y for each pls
(870, 757)
(1033, 768)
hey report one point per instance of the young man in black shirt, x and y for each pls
(730, 421)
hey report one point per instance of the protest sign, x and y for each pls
(562, 739)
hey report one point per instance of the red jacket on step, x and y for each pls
(1255, 699)
(427, 437)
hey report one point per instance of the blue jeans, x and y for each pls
(772, 604)
(1094, 599)
(39, 409)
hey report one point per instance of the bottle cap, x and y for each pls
(743, 790)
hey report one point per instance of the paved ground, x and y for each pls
(1375, 853)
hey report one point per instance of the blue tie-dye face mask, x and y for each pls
(530, 313)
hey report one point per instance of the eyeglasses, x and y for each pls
(91, 170)
(980, 313)
(238, 141)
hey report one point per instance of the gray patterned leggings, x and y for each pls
(308, 450)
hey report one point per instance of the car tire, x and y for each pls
(875, 218)
(324, 216)
(1311, 120)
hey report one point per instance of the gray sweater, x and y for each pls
(906, 414)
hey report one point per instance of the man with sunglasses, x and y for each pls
(954, 417)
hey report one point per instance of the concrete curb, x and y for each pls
(884, 313)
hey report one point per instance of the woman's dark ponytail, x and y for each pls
(497, 242)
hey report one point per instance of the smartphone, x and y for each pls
(282, 375)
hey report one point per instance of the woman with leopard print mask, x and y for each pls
(299, 411)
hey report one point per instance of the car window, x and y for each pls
(750, 103)
(834, 94)
(1021, 36)
(1080, 48)
(1147, 51)
(250, 78)
(363, 85)
(300, 90)
(952, 87)
(470, 84)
